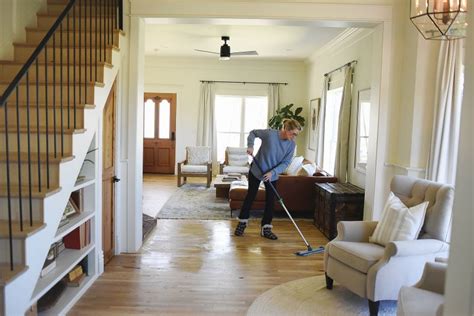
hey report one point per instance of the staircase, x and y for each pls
(53, 93)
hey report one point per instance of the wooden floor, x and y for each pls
(192, 267)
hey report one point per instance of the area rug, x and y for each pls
(309, 296)
(148, 224)
(195, 201)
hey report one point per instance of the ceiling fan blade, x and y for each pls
(247, 53)
(206, 51)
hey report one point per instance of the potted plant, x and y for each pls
(276, 121)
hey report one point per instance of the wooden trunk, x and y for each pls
(337, 202)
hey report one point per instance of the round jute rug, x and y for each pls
(309, 296)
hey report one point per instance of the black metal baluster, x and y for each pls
(80, 52)
(115, 15)
(85, 59)
(19, 156)
(38, 145)
(29, 145)
(96, 30)
(100, 31)
(121, 15)
(10, 229)
(46, 113)
(69, 64)
(61, 115)
(90, 41)
(54, 94)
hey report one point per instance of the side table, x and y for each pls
(337, 202)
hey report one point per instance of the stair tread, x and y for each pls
(35, 192)
(42, 129)
(7, 275)
(16, 229)
(58, 106)
(13, 157)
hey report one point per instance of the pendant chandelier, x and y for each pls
(439, 19)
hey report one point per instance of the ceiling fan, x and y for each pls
(225, 51)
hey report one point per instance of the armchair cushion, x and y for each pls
(415, 301)
(355, 230)
(398, 221)
(361, 255)
(235, 169)
(198, 155)
(237, 156)
(193, 169)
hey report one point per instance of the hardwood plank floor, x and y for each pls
(199, 268)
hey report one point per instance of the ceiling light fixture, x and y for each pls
(439, 19)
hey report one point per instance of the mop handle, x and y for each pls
(281, 202)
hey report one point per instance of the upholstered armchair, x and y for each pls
(427, 296)
(198, 163)
(236, 161)
(376, 272)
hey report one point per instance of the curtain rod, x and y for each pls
(345, 65)
(245, 82)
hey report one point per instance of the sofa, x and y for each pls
(297, 192)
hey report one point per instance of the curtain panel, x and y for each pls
(273, 99)
(206, 126)
(448, 100)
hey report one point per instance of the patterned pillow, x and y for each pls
(307, 169)
(399, 222)
(198, 155)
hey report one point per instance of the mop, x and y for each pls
(309, 250)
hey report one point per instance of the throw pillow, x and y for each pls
(399, 222)
(307, 170)
(294, 166)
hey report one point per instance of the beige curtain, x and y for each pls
(273, 99)
(447, 116)
(342, 147)
(206, 127)
(322, 114)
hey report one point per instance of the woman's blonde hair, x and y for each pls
(291, 124)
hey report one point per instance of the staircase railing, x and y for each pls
(81, 35)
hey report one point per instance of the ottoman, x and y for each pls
(237, 193)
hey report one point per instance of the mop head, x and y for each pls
(310, 251)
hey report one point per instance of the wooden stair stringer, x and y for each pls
(37, 246)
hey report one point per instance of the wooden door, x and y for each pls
(159, 133)
(108, 177)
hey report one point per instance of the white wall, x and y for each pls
(358, 45)
(182, 76)
(15, 15)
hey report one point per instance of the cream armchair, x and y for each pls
(427, 296)
(236, 160)
(198, 163)
(376, 272)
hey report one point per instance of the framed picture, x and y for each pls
(314, 110)
(71, 208)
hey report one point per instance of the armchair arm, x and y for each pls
(417, 247)
(358, 231)
(433, 277)
(221, 167)
(185, 161)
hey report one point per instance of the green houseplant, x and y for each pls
(276, 121)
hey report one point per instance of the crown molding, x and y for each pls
(345, 39)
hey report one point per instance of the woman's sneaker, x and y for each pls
(239, 230)
(267, 232)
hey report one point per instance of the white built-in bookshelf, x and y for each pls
(68, 259)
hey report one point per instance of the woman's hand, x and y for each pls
(267, 176)
(250, 151)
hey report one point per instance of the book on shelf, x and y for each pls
(79, 237)
(77, 281)
(50, 262)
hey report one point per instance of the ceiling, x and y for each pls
(272, 40)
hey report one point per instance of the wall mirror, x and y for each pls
(363, 129)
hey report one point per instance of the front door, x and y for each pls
(108, 177)
(159, 133)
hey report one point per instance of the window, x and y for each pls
(331, 125)
(235, 117)
(363, 127)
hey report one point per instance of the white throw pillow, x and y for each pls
(307, 170)
(294, 166)
(399, 222)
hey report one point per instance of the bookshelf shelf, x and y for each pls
(64, 263)
(83, 183)
(75, 221)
